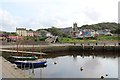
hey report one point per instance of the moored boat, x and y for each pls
(24, 58)
(30, 63)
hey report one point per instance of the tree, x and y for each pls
(55, 31)
(30, 30)
(13, 34)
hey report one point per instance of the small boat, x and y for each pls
(24, 58)
(31, 64)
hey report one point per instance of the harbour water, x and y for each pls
(77, 65)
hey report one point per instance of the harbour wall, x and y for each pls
(62, 49)
(80, 48)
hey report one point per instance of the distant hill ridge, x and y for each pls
(101, 26)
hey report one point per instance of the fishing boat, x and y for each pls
(24, 58)
(31, 64)
(14, 58)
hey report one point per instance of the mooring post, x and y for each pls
(115, 47)
(92, 47)
(104, 47)
(83, 46)
(32, 68)
(96, 43)
(21, 65)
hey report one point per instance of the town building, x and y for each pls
(104, 32)
(48, 34)
(30, 33)
(21, 31)
(24, 32)
(87, 33)
(3, 35)
(74, 31)
(14, 38)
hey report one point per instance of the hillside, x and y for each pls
(101, 26)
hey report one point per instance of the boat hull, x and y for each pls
(30, 64)
(14, 58)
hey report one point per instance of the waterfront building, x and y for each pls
(87, 33)
(21, 31)
(104, 32)
(14, 38)
(24, 32)
(30, 33)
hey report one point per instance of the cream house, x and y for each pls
(30, 33)
(21, 31)
(25, 32)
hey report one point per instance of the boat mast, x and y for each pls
(33, 50)
(41, 54)
(22, 51)
(17, 46)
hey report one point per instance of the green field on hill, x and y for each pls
(99, 38)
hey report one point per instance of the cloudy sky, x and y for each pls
(37, 14)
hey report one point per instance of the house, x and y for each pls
(36, 33)
(30, 33)
(21, 31)
(3, 35)
(104, 32)
(24, 32)
(87, 33)
(67, 30)
(48, 34)
(14, 38)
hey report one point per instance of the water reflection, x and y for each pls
(78, 65)
(82, 54)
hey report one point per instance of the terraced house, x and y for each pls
(25, 32)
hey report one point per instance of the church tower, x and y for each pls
(75, 30)
(75, 27)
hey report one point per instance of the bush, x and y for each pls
(42, 38)
(35, 40)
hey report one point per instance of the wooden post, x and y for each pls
(33, 50)
(32, 68)
(115, 47)
(92, 47)
(41, 54)
(21, 65)
(17, 48)
(22, 52)
(104, 47)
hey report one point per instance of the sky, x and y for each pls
(38, 14)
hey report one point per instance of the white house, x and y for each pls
(104, 32)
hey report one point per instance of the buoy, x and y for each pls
(102, 77)
(81, 69)
(106, 74)
(55, 62)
